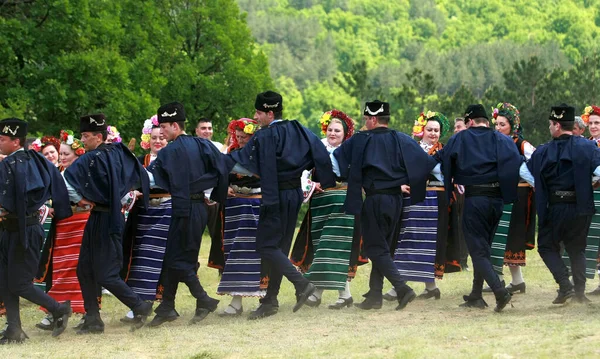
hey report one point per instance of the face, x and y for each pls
(167, 131)
(242, 138)
(370, 122)
(8, 146)
(335, 134)
(51, 154)
(459, 126)
(578, 131)
(91, 141)
(157, 142)
(67, 155)
(204, 130)
(263, 118)
(503, 126)
(594, 126)
(554, 128)
(431, 133)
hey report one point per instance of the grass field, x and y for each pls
(425, 329)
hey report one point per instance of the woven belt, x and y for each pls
(11, 223)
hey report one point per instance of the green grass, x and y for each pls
(425, 329)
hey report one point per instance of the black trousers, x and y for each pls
(480, 221)
(379, 219)
(100, 261)
(276, 228)
(563, 224)
(180, 263)
(18, 266)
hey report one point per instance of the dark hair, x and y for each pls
(103, 133)
(565, 126)
(181, 124)
(203, 119)
(480, 120)
(22, 140)
(459, 119)
(384, 120)
(277, 115)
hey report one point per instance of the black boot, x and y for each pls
(61, 318)
(565, 292)
(93, 325)
(303, 295)
(370, 302)
(13, 336)
(473, 302)
(141, 313)
(204, 308)
(264, 310)
(405, 297)
(160, 319)
(502, 300)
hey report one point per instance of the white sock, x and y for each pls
(516, 274)
(129, 314)
(345, 293)
(392, 292)
(430, 285)
(236, 302)
(316, 295)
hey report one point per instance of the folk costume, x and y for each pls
(185, 168)
(104, 176)
(379, 161)
(490, 181)
(562, 169)
(278, 153)
(27, 181)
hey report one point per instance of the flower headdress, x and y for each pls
(511, 113)
(347, 122)
(50, 141)
(421, 122)
(113, 135)
(36, 145)
(247, 125)
(588, 111)
(66, 137)
(149, 124)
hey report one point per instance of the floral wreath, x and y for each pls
(247, 125)
(511, 113)
(66, 136)
(50, 141)
(36, 145)
(588, 111)
(421, 122)
(113, 135)
(347, 122)
(149, 124)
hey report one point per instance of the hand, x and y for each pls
(138, 194)
(230, 192)
(85, 203)
(405, 188)
(318, 187)
(51, 212)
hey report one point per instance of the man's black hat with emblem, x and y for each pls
(377, 108)
(93, 123)
(475, 111)
(171, 112)
(13, 127)
(562, 113)
(269, 101)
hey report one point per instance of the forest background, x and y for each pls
(64, 58)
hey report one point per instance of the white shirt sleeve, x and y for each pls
(74, 196)
(526, 174)
(241, 170)
(437, 172)
(528, 150)
(334, 164)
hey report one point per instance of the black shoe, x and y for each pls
(434, 293)
(563, 295)
(408, 297)
(61, 318)
(93, 325)
(369, 303)
(208, 303)
(199, 316)
(140, 314)
(313, 303)
(13, 337)
(43, 326)
(502, 302)
(160, 319)
(389, 297)
(237, 313)
(127, 320)
(595, 291)
(341, 303)
(473, 302)
(581, 298)
(512, 288)
(489, 290)
(264, 310)
(80, 324)
(303, 296)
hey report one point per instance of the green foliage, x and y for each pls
(64, 58)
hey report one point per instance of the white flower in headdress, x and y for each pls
(70, 140)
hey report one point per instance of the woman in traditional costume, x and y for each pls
(241, 276)
(328, 251)
(516, 230)
(49, 148)
(60, 255)
(145, 236)
(421, 252)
